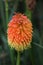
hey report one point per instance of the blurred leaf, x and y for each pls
(0, 49)
(37, 49)
(36, 36)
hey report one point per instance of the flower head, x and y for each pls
(19, 32)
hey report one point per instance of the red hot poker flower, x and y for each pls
(19, 32)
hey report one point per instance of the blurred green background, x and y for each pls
(32, 56)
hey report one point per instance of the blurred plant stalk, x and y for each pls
(10, 50)
(6, 11)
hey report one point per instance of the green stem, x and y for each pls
(18, 58)
(6, 10)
